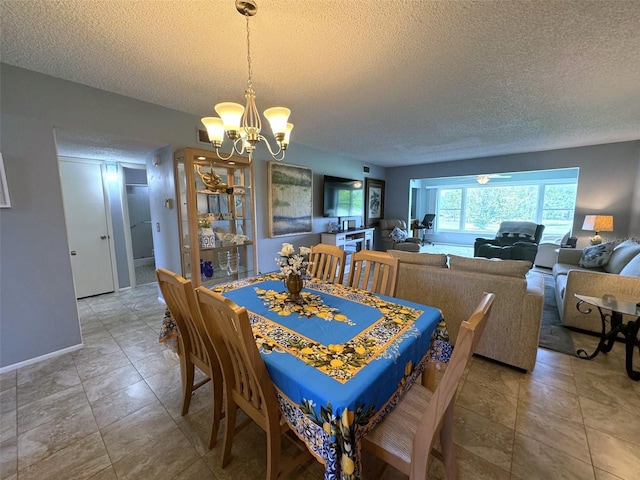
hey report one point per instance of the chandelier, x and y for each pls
(242, 125)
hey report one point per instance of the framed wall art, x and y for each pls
(290, 199)
(4, 189)
(374, 201)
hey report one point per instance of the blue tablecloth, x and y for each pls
(340, 359)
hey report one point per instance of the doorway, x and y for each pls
(88, 229)
(136, 202)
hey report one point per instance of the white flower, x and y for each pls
(287, 250)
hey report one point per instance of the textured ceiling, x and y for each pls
(390, 82)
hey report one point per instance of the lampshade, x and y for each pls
(277, 117)
(215, 129)
(231, 114)
(598, 223)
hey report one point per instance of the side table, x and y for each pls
(611, 311)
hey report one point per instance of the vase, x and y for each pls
(207, 269)
(294, 284)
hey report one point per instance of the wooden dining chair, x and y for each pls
(376, 272)
(195, 348)
(327, 263)
(407, 434)
(247, 382)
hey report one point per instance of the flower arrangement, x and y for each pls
(205, 220)
(292, 263)
(234, 239)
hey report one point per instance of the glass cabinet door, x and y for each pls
(216, 217)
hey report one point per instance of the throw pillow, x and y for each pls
(506, 268)
(398, 235)
(428, 259)
(622, 254)
(597, 255)
(632, 269)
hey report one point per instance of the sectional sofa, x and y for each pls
(616, 272)
(455, 285)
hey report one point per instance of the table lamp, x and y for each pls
(597, 223)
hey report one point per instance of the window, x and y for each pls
(478, 209)
(449, 209)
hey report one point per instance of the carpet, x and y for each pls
(552, 334)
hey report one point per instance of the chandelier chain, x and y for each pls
(249, 80)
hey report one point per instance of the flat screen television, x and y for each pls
(343, 197)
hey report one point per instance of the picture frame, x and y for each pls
(202, 137)
(5, 202)
(374, 201)
(290, 199)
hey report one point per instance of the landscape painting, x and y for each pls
(290, 199)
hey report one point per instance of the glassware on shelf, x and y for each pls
(233, 262)
(223, 261)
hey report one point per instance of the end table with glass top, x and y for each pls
(612, 311)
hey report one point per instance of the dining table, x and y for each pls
(340, 358)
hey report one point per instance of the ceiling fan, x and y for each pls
(483, 179)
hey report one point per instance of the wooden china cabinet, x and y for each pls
(216, 215)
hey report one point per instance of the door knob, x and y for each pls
(73, 252)
(103, 237)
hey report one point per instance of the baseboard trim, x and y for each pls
(31, 361)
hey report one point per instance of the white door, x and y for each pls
(87, 230)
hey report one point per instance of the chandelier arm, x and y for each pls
(273, 153)
(222, 157)
(239, 151)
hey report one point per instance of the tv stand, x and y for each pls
(352, 240)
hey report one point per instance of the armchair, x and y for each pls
(387, 242)
(514, 241)
(548, 251)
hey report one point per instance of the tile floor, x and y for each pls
(112, 411)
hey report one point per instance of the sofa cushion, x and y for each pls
(507, 268)
(597, 255)
(621, 255)
(398, 234)
(429, 259)
(632, 269)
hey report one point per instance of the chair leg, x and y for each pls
(187, 373)
(274, 445)
(429, 376)
(446, 445)
(231, 411)
(217, 410)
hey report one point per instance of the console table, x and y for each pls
(617, 308)
(350, 240)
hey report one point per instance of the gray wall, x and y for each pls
(37, 300)
(608, 183)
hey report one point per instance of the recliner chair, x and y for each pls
(514, 241)
(410, 244)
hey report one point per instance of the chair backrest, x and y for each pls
(374, 271)
(520, 230)
(443, 399)
(327, 262)
(180, 298)
(427, 221)
(245, 375)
